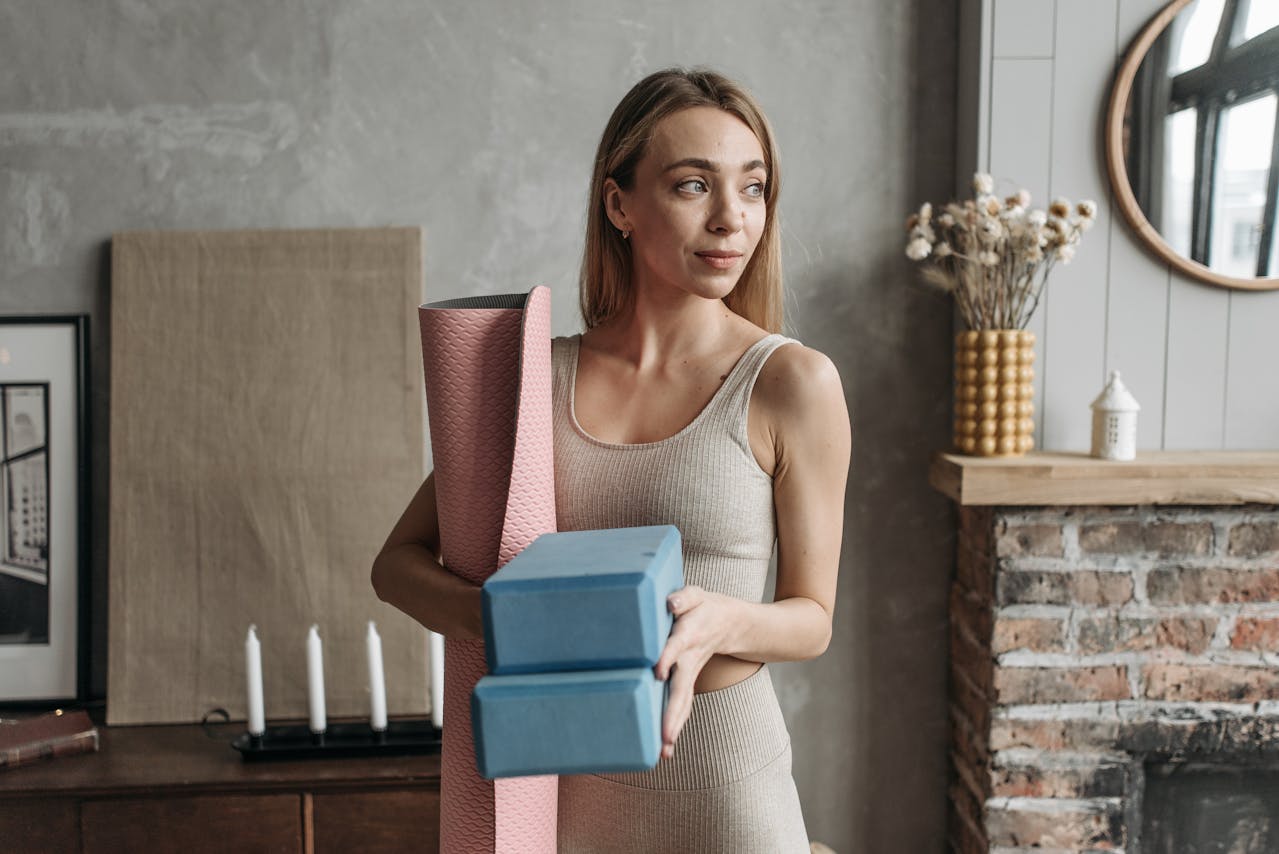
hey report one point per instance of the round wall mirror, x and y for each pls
(1192, 141)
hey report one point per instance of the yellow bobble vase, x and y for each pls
(994, 392)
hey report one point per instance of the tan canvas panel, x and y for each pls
(266, 433)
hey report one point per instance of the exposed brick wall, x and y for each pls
(1086, 640)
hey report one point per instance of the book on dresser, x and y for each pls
(45, 736)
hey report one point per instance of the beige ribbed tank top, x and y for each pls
(704, 480)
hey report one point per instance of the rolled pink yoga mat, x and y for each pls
(487, 364)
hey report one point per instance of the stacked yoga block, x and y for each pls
(573, 626)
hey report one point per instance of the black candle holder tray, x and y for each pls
(341, 739)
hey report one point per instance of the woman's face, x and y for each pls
(696, 210)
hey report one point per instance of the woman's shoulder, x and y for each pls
(798, 382)
(792, 359)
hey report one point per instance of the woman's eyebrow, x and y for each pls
(702, 163)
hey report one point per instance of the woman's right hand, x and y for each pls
(407, 573)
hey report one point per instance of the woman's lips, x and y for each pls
(720, 260)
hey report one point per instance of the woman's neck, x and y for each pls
(657, 331)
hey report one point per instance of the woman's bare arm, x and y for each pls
(812, 437)
(808, 422)
(407, 573)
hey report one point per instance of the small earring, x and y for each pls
(626, 234)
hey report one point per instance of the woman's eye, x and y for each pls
(693, 185)
(755, 190)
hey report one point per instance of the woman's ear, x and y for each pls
(615, 206)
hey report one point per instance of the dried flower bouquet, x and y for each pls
(995, 255)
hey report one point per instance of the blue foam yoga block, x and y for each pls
(583, 722)
(583, 600)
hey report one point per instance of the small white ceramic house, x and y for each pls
(1114, 422)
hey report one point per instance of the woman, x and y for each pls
(680, 404)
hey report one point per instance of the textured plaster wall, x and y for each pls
(478, 121)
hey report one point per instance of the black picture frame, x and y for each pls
(44, 509)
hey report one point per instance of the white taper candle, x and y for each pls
(253, 674)
(437, 679)
(377, 682)
(315, 680)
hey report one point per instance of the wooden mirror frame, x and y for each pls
(1118, 169)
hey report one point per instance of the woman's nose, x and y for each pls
(727, 216)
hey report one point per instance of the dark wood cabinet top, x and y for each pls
(190, 759)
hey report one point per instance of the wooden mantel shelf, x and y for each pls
(1154, 477)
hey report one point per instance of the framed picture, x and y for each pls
(44, 494)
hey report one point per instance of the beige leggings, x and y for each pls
(728, 788)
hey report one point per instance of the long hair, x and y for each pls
(606, 285)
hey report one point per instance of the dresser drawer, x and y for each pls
(385, 822)
(40, 827)
(193, 825)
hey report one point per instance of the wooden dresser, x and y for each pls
(184, 788)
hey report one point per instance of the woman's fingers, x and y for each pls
(670, 655)
(683, 599)
(678, 643)
(681, 661)
(678, 704)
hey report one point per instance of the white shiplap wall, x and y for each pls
(1203, 361)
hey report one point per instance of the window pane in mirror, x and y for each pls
(1262, 15)
(1274, 247)
(1243, 165)
(1179, 180)
(1192, 35)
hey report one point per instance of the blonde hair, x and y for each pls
(606, 278)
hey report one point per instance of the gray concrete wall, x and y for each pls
(478, 121)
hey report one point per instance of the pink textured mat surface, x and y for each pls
(487, 365)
